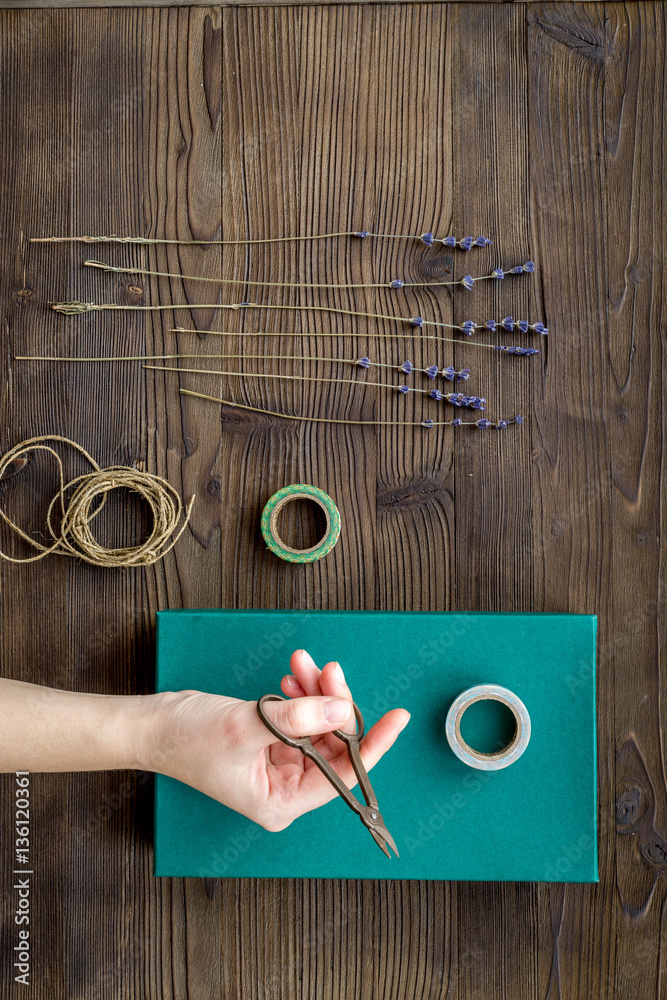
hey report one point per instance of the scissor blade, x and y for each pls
(384, 834)
(379, 841)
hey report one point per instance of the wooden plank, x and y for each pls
(56, 4)
(493, 470)
(635, 161)
(181, 165)
(29, 653)
(82, 628)
(572, 529)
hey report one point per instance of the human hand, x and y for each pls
(221, 747)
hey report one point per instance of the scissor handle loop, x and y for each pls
(352, 737)
(299, 742)
(291, 741)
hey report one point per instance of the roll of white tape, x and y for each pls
(500, 758)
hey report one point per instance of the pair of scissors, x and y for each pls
(369, 813)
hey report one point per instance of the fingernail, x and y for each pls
(291, 681)
(404, 724)
(339, 673)
(306, 654)
(337, 710)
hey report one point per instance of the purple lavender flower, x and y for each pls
(404, 389)
(483, 423)
(528, 267)
(468, 281)
(501, 424)
(406, 367)
(456, 422)
(449, 373)
(516, 270)
(362, 235)
(539, 328)
(468, 327)
(435, 394)
(516, 350)
(498, 273)
(449, 241)
(396, 283)
(518, 419)
(427, 238)
(463, 375)
(363, 362)
(490, 325)
(522, 324)
(417, 321)
(427, 423)
(466, 243)
(483, 241)
(508, 323)
(456, 398)
(431, 371)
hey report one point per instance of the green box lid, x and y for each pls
(532, 821)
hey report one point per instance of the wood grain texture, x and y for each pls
(65, 4)
(541, 125)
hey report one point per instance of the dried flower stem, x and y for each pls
(468, 281)
(456, 422)
(466, 243)
(406, 367)
(76, 308)
(378, 336)
(456, 398)
(131, 357)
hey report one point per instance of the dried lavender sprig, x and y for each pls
(376, 336)
(429, 239)
(467, 243)
(508, 323)
(456, 398)
(76, 308)
(428, 424)
(396, 283)
(498, 274)
(406, 367)
(432, 371)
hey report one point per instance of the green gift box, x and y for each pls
(532, 821)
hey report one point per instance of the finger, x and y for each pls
(315, 790)
(290, 686)
(306, 671)
(280, 753)
(307, 716)
(332, 682)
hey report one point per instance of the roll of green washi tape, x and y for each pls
(269, 523)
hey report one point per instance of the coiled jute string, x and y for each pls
(81, 500)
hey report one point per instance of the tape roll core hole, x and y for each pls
(487, 727)
(300, 523)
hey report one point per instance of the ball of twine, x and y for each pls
(81, 500)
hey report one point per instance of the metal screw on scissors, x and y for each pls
(369, 814)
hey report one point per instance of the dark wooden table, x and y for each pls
(541, 125)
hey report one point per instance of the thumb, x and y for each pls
(308, 716)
